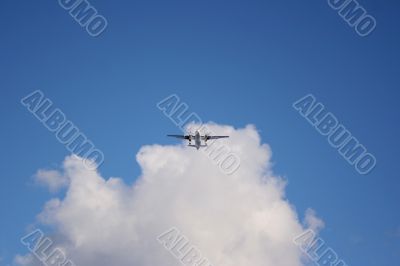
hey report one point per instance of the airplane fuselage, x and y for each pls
(197, 140)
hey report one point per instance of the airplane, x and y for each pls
(197, 139)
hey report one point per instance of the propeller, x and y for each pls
(189, 130)
(206, 136)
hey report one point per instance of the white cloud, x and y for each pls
(51, 179)
(234, 220)
(312, 221)
(24, 260)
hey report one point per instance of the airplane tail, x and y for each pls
(194, 146)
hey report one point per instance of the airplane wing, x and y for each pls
(179, 136)
(214, 137)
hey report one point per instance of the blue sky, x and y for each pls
(233, 62)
